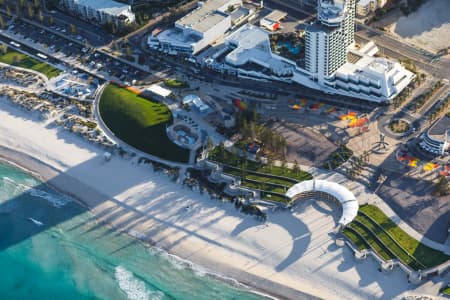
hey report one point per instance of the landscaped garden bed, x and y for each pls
(387, 239)
(337, 158)
(399, 126)
(272, 181)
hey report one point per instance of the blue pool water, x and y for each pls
(69, 256)
(292, 49)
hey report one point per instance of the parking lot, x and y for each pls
(63, 45)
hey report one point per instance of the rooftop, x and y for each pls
(276, 16)
(253, 45)
(205, 16)
(345, 197)
(331, 12)
(108, 6)
(159, 90)
(176, 35)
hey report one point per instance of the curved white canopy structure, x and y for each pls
(342, 194)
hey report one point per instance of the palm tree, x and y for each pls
(209, 143)
(30, 11)
(296, 168)
(72, 29)
(51, 20)
(3, 48)
(40, 16)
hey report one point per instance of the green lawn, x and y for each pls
(263, 178)
(446, 291)
(18, 59)
(175, 83)
(274, 197)
(389, 240)
(140, 123)
(374, 243)
(355, 238)
(427, 256)
(390, 243)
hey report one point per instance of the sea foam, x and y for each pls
(56, 200)
(134, 288)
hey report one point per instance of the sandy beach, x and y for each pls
(291, 256)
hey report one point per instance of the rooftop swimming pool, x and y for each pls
(293, 49)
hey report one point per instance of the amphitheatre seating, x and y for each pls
(327, 190)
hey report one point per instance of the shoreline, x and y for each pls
(291, 256)
(45, 173)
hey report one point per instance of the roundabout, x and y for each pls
(399, 126)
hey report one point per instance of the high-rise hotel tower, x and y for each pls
(328, 38)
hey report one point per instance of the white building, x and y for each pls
(196, 30)
(365, 7)
(436, 139)
(101, 11)
(272, 21)
(366, 77)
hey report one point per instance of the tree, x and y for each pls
(2, 22)
(36, 3)
(283, 165)
(270, 162)
(8, 11)
(40, 16)
(3, 48)
(441, 187)
(296, 168)
(244, 166)
(51, 20)
(16, 59)
(128, 51)
(209, 143)
(73, 29)
(30, 11)
(114, 46)
(141, 59)
(18, 10)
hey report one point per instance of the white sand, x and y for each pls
(428, 27)
(290, 255)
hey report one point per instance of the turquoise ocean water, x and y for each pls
(65, 254)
